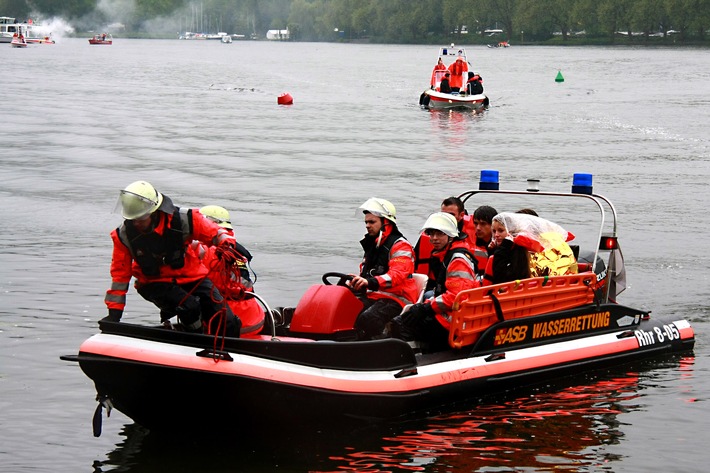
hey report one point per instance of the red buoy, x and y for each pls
(285, 99)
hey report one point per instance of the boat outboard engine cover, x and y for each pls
(588, 256)
(326, 309)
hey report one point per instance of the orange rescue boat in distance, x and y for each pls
(103, 38)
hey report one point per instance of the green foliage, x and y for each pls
(395, 21)
(15, 9)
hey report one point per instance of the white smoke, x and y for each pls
(55, 28)
(117, 11)
(108, 13)
(114, 15)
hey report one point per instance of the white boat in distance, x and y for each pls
(9, 27)
(222, 36)
(32, 32)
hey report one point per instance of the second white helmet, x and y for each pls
(445, 223)
(380, 207)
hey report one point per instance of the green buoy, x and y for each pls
(559, 77)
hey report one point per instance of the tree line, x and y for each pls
(392, 21)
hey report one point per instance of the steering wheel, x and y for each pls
(343, 278)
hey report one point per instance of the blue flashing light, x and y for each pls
(582, 183)
(489, 180)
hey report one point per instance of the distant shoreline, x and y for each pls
(669, 41)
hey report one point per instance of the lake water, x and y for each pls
(200, 121)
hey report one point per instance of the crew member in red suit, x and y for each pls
(234, 285)
(452, 269)
(458, 69)
(440, 66)
(477, 227)
(152, 246)
(385, 271)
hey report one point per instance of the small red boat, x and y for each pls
(18, 41)
(40, 40)
(101, 39)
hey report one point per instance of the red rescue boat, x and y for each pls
(41, 40)
(435, 97)
(101, 39)
(307, 368)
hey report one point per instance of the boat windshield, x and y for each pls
(452, 51)
(438, 75)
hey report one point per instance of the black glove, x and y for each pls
(114, 315)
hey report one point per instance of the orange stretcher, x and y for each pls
(475, 309)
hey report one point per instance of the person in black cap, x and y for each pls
(445, 87)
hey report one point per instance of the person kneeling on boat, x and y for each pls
(385, 278)
(235, 284)
(152, 245)
(452, 269)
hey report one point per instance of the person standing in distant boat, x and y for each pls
(385, 277)
(440, 66)
(457, 69)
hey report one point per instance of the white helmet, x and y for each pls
(139, 199)
(380, 207)
(217, 214)
(444, 222)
